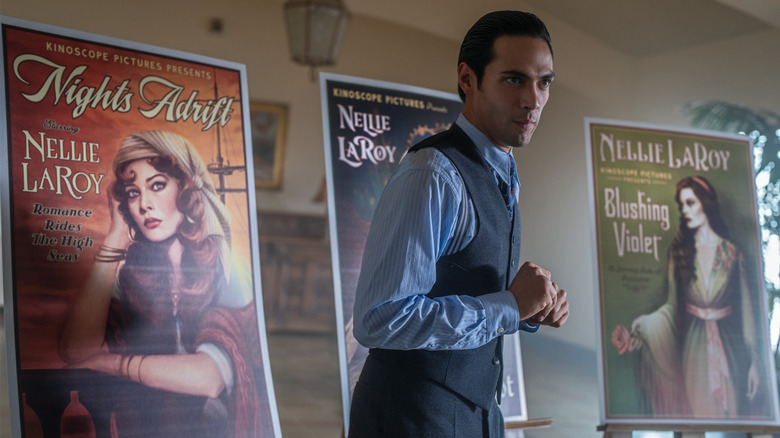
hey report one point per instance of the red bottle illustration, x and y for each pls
(76, 421)
(32, 424)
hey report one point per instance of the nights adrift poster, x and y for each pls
(683, 325)
(368, 126)
(133, 300)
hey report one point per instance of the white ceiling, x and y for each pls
(634, 27)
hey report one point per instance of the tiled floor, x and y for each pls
(306, 381)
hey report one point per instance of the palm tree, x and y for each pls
(763, 127)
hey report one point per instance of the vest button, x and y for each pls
(500, 330)
(496, 361)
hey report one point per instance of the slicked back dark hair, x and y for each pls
(477, 47)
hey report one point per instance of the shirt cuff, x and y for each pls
(528, 326)
(501, 316)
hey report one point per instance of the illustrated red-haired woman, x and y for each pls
(167, 304)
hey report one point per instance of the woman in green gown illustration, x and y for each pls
(699, 352)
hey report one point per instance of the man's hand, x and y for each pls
(538, 297)
(557, 314)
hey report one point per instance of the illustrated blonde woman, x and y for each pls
(167, 305)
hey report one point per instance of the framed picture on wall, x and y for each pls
(269, 125)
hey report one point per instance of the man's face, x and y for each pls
(507, 105)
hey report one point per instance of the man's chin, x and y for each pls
(522, 141)
(524, 137)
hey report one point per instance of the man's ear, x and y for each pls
(466, 78)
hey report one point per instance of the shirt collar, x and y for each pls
(495, 157)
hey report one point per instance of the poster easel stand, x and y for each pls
(535, 423)
(619, 430)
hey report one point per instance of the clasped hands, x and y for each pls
(538, 298)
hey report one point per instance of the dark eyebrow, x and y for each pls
(156, 175)
(514, 73)
(549, 76)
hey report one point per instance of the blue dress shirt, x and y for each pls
(424, 213)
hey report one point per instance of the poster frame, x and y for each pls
(6, 197)
(602, 345)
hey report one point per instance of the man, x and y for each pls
(439, 284)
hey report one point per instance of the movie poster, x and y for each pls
(133, 298)
(684, 332)
(368, 126)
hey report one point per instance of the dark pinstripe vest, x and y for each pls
(487, 264)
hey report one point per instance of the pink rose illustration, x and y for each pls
(621, 339)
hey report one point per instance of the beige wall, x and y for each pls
(593, 80)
